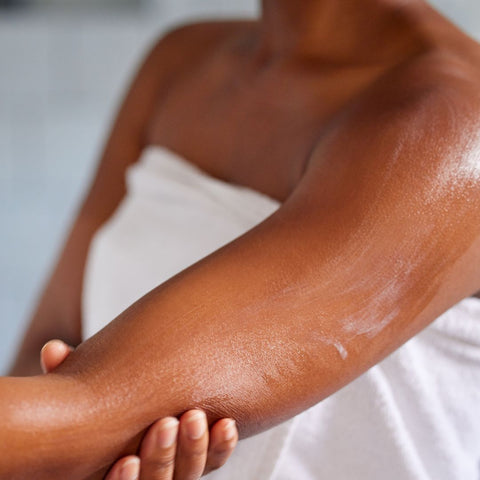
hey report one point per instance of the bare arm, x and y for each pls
(378, 239)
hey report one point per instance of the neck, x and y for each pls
(337, 30)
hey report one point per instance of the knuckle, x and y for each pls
(166, 463)
(162, 462)
(158, 470)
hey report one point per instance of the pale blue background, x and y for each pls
(55, 108)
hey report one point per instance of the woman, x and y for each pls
(336, 143)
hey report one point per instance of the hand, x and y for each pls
(171, 448)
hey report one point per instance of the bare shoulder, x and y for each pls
(434, 82)
(175, 54)
(411, 139)
(434, 107)
(183, 46)
(440, 80)
(429, 106)
(204, 31)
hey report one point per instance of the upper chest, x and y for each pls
(254, 124)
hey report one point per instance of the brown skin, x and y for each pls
(370, 141)
(168, 450)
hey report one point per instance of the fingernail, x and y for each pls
(167, 434)
(229, 430)
(196, 425)
(130, 470)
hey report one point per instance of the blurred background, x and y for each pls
(64, 67)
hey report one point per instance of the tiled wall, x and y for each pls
(60, 81)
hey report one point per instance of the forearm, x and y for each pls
(258, 351)
(203, 339)
(42, 420)
(255, 351)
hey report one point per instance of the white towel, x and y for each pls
(413, 416)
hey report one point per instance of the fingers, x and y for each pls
(173, 450)
(192, 446)
(223, 440)
(53, 354)
(128, 468)
(158, 450)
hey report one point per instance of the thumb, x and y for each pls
(53, 354)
